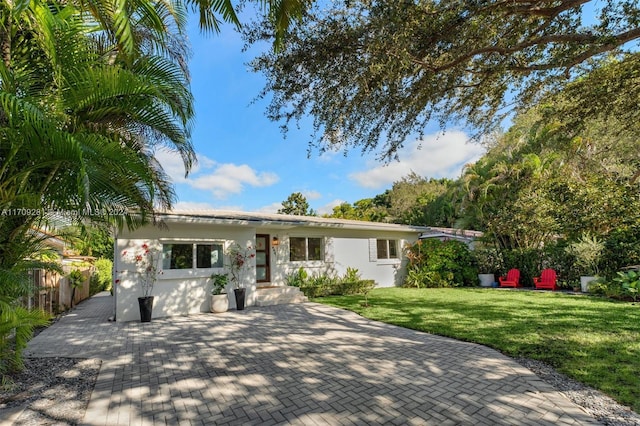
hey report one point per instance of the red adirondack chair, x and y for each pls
(546, 280)
(511, 280)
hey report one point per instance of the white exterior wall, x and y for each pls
(183, 292)
(346, 249)
(177, 292)
(354, 253)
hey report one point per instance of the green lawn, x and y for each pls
(593, 340)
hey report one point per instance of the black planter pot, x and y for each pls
(146, 308)
(239, 293)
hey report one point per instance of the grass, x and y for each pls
(593, 340)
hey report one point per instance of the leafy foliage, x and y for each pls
(413, 200)
(102, 275)
(435, 263)
(374, 72)
(91, 240)
(16, 328)
(630, 283)
(488, 260)
(322, 285)
(588, 254)
(296, 204)
(16, 323)
(219, 283)
(238, 262)
(88, 92)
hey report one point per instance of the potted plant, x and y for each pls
(146, 261)
(575, 285)
(219, 300)
(587, 252)
(488, 261)
(238, 262)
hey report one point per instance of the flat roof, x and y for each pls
(229, 217)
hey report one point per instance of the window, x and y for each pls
(303, 248)
(177, 256)
(387, 249)
(183, 256)
(209, 255)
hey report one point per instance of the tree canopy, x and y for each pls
(373, 72)
(413, 200)
(296, 204)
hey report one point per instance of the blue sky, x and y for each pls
(245, 162)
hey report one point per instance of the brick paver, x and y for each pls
(303, 364)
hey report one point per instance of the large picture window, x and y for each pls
(387, 249)
(190, 256)
(305, 248)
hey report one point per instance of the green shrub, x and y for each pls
(218, 283)
(423, 278)
(630, 283)
(297, 279)
(352, 274)
(104, 268)
(440, 264)
(528, 261)
(621, 249)
(610, 289)
(588, 252)
(322, 285)
(95, 286)
(487, 260)
(417, 278)
(356, 287)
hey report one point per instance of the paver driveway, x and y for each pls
(301, 364)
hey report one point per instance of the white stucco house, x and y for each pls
(191, 245)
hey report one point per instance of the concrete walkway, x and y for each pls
(302, 364)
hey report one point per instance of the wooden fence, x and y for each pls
(51, 292)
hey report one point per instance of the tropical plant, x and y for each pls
(88, 92)
(630, 282)
(219, 283)
(351, 274)
(145, 260)
(238, 262)
(297, 278)
(107, 86)
(16, 328)
(587, 252)
(17, 323)
(418, 278)
(76, 279)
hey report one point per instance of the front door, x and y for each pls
(263, 273)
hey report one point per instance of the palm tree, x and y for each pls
(88, 91)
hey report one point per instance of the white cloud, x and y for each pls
(437, 156)
(219, 179)
(173, 165)
(328, 208)
(312, 195)
(226, 179)
(329, 155)
(271, 208)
